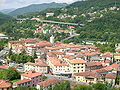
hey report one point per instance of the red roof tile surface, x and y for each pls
(4, 84)
(48, 82)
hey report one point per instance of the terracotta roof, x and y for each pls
(91, 74)
(117, 54)
(77, 61)
(110, 76)
(51, 54)
(20, 47)
(71, 57)
(30, 63)
(43, 43)
(108, 54)
(39, 63)
(14, 41)
(31, 74)
(92, 53)
(56, 52)
(25, 40)
(4, 84)
(118, 49)
(113, 67)
(54, 48)
(58, 62)
(22, 81)
(67, 56)
(48, 82)
(93, 63)
(79, 56)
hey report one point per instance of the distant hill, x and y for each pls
(6, 11)
(36, 7)
(4, 18)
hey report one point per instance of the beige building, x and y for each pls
(77, 65)
(40, 67)
(87, 77)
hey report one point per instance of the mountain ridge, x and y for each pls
(36, 7)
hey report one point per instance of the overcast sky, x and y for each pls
(7, 4)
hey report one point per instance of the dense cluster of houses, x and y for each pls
(82, 63)
(51, 28)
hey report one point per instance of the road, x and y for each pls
(69, 37)
(55, 22)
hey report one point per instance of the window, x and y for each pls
(74, 71)
(78, 70)
(78, 67)
(81, 67)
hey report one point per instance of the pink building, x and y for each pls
(30, 78)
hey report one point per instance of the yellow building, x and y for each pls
(77, 65)
(117, 57)
(87, 77)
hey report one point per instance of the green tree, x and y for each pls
(100, 86)
(82, 87)
(62, 86)
(117, 81)
(12, 74)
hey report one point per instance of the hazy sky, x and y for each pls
(7, 4)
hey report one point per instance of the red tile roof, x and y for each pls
(108, 54)
(118, 49)
(31, 74)
(92, 53)
(43, 43)
(39, 63)
(48, 82)
(91, 74)
(58, 62)
(93, 64)
(113, 67)
(22, 81)
(110, 76)
(51, 54)
(77, 61)
(4, 84)
(117, 54)
(20, 47)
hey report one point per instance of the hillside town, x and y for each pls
(59, 61)
(60, 46)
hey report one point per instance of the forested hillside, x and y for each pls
(36, 7)
(4, 18)
(101, 19)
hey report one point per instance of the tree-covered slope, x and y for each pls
(36, 7)
(4, 18)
